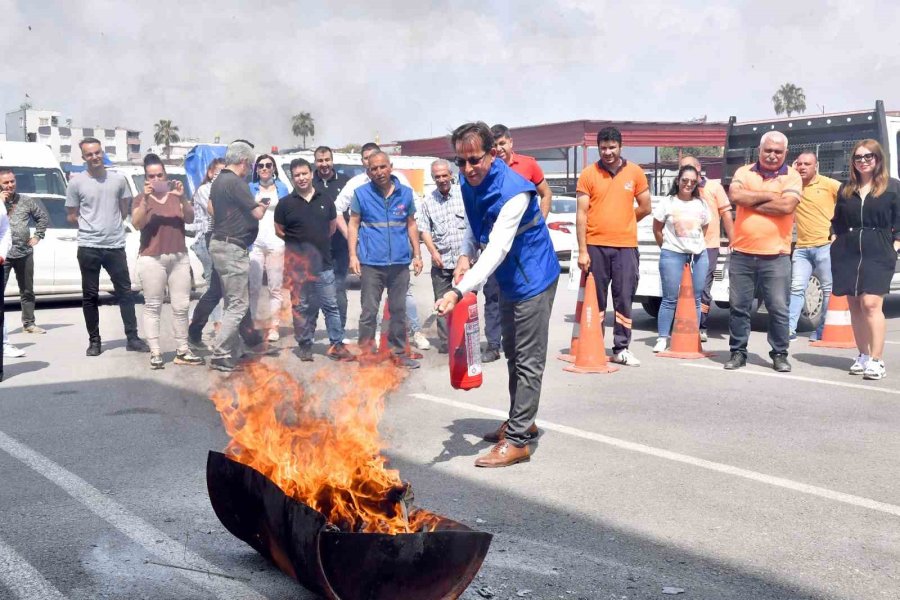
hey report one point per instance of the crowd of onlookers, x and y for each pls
(255, 236)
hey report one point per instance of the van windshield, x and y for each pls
(36, 180)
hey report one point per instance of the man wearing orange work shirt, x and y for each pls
(606, 225)
(528, 168)
(717, 201)
(766, 194)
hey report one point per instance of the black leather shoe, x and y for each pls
(224, 364)
(736, 361)
(490, 355)
(136, 344)
(780, 363)
(93, 349)
(304, 353)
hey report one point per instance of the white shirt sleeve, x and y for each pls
(5, 237)
(342, 202)
(499, 242)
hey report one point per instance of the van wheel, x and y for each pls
(651, 306)
(814, 307)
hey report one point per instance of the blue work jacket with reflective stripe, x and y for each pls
(531, 265)
(383, 237)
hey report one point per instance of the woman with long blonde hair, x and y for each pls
(866, 225)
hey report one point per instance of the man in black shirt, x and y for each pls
(236, 223)
(306, 220)
(330, 183)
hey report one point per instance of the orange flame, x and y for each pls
(322, 449)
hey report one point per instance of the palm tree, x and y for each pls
(166, 134)
(302, 125)
(789, 99)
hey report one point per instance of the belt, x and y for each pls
(230, 240)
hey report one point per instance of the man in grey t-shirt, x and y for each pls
(97, 201)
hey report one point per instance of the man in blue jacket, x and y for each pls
(382, 240)
(504, 217)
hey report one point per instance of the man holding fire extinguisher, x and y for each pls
(504, 219)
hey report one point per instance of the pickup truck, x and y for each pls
(831, 137)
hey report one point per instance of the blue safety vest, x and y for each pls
(531, 264)
(383, 237)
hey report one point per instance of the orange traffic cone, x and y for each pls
(838, 332)
(576, 327)
(685, 340)
(591, 356)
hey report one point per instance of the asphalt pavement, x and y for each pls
(673, 479)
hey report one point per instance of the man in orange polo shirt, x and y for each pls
(716, 199)
(606, 226)
(766, 194)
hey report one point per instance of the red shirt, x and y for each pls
(527, 167)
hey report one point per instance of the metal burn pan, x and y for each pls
(438, 565)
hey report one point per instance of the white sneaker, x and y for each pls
(625, 357)
(859, 365)
(274, 336)
(874, 369)
(661, 344)
(421, 341)
(703, 336)
(10, 351)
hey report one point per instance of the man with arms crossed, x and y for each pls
(606, 226)
(504, 218)
(98, 201)
(717, 201)
(766, 194)
(812, 253)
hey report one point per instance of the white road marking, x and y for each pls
(781, 482)
(855, 386)
(139, 531)
(23, 580)
(890, 342)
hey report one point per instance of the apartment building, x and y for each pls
(48, 127)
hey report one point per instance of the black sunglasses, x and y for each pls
(461, 162)
(864, 157)
(264, 165)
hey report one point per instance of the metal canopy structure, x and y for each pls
(554, 141)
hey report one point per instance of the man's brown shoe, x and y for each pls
(503, 454)
(500, 435)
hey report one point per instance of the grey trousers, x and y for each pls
(525, 326)
(372, 282)
(441, 283)
(232, 263)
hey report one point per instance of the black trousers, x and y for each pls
(207, 304)
(114, 261)
(24, 270)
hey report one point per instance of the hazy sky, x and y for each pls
(407, 69)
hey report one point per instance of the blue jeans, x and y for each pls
(805, 262)
(772, 276)
(312, 293)
(671, 268)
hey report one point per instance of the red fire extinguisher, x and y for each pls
(464, 344)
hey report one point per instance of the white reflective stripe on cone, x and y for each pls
(837, 317)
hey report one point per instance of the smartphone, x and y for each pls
(160, 188)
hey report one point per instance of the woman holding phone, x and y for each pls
(679, 226)
(267, 252)
(160, 214)
(866, 226)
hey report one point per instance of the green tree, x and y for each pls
(165, 134)
(670, 153)
(303, 125)
(789, 99)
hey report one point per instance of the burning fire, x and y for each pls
(322, 449)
